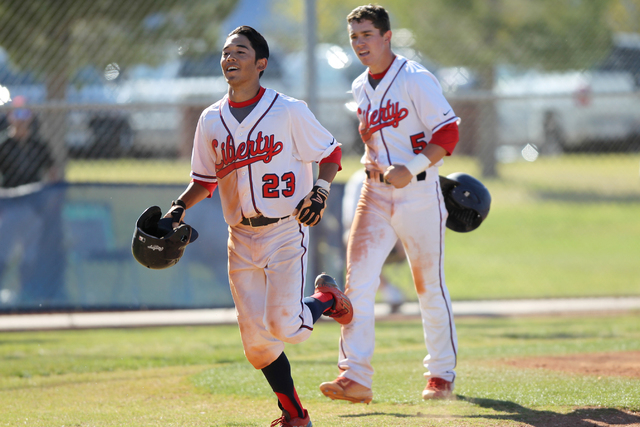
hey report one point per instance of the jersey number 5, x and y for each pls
(271, 182)
(418, 143)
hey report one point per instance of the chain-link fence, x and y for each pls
(106, 81)
(110, 91)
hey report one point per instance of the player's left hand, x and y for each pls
(176, 213)
(310, 209)
(398, 176)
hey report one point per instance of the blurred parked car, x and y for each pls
(567, 111)
(166, 100)
(96, 129)
(337, 67)
(92, 128)
(624, 55)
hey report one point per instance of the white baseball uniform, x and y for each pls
(263, 167)
(400, 115)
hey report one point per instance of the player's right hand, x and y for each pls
(310, 209)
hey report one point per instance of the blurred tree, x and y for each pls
(480, 34)
(625, 16)
(54, 38)
(57, 37)
(548, 34)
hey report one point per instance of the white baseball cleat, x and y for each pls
(437, 388)
(345, 389)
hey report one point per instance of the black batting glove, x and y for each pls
(176, 212)
(310, 209)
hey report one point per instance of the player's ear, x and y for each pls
(387, 37)
(262, 64)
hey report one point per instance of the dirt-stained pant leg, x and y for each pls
(421, 227)
(417, 215)
(267, 267)
(370, 242)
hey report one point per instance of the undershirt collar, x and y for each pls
(253, 100)
(379, 76)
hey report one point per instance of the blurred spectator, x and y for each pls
(30, 215)
(390, 294)
(24, 158)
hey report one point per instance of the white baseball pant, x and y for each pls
(267, 268)
(415, 214)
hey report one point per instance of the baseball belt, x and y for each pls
(372, 175)
(260, 221)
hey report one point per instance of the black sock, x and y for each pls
(317, 307)
(278, 375)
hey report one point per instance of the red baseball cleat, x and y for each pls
(286, 421)
(341, 310)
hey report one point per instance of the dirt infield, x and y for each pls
(622, 363)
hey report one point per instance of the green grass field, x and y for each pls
(559, 227)
(198, 376)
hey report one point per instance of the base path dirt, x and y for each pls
(621, 363)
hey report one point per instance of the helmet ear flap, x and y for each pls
(467, 200)
(447, 185)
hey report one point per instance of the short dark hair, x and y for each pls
(258, 42)
(374, 13)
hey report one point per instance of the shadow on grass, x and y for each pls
(556, 336)
(579, 417)
(397, 415)
(509, 411)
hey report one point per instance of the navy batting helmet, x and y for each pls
(467, 201)
(156, 244)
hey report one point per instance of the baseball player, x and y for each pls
(407, 127)
(257, 147)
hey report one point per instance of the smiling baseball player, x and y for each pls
(257, 147)
(407, 127)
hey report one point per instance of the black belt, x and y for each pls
(420, 177)
(260, 221)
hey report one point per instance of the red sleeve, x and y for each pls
(334, 157)
(446, 137)
(210, 186)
